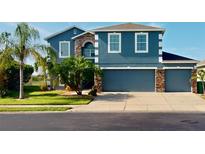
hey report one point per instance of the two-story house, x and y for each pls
(131, 57)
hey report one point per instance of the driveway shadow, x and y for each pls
(113, 97)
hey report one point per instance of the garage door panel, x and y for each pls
(177, 80)
(128, 80)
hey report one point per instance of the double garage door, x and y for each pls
(129, 80)
(144, 80)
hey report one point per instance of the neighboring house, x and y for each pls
(130, 56)
(201, 65)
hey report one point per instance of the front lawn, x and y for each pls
(20, 109)
(36, 97)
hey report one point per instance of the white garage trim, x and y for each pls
(124, 68)
(178, 67)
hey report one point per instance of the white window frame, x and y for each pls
(119, 34)
(60, 56)
(147, 43)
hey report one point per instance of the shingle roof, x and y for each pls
(129, 27)
(170, 56)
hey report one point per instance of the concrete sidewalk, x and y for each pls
(144, 102)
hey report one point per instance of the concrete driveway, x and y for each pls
(144, 102)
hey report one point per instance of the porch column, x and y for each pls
(160, 80)
(194, 81)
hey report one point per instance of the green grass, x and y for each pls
(36, 97)
(21, 109)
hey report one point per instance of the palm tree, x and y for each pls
(48, 65)
(21, 47)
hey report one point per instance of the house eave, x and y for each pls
(126, 68)
(128, 30)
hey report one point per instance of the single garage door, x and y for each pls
(129, 80)
(178, 80)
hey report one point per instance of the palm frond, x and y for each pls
(6, 57)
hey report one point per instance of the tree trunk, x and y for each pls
(21, 91)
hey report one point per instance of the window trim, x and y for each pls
(119, 34)
(147, 43)
(60, 56)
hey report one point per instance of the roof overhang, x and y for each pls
(180, 61)
(129, 30)
(82, 34)
(64, 30)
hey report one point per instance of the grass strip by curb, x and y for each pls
(23, 109)
(45, 101)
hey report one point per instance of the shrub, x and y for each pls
(76, 70)
(12, 73)
(3, 83)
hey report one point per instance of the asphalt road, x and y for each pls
(102, 121)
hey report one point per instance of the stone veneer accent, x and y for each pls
(98, 83)
(81, 40)
(194, 80)
(160, 80)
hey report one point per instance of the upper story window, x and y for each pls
(114, 42)
(64, 49)
(88, 50)
(141, 42)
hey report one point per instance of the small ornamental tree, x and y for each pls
(73, 72)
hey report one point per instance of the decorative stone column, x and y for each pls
(98, 83)
(160, 80)
(194, 80)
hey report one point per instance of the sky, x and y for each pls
(183, 38)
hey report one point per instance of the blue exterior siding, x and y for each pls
(65, 36)
(128, 57)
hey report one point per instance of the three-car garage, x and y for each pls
(143, 80)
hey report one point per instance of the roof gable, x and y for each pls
(60, 32)
(86, 32)
(129, 27)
